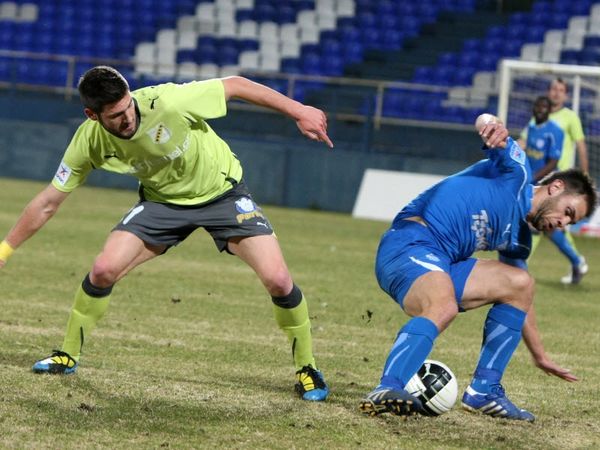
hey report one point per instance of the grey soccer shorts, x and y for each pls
(234, 214)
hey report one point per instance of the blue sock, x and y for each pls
(413, 344)
(560, 240)
(501, 336)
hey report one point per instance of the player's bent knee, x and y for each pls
(278, 283)
(522, 285)
(446, 314)
(103, 274)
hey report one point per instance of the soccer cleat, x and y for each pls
(495, 404)
(57, 363)
(311, 384)
(577, 273)
(397, 402)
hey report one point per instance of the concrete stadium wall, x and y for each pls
(35, 129)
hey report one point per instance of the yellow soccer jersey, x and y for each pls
(174, 154)
(569, 122)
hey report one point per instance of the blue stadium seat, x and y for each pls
(496, 32)
(290, 65)
(535, 34)
(423, 75)
(472, 44)
(449, 58)
(353, 52)
(569, 57)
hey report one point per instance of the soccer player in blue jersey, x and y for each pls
(424, 263)
(543, 140)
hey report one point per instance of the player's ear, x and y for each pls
(556, 187)
(90, 114)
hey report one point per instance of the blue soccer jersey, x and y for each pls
(484, 207)
(544, 142)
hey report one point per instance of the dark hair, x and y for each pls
(578, 183)
(101, 86)
(542, 98)
(561, 81)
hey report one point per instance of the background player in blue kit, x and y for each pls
(424, 263)
(542, 140)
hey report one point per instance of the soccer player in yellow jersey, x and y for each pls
(574, 139)
(189, 178)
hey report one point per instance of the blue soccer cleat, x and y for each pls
(383, 400)
(58, 362)
(311, 385)
(495, 404)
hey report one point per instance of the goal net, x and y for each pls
(522, 81)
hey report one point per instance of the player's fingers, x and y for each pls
(323, 137)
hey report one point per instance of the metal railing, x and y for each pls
(373, 90)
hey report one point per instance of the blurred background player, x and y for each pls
(189, 178)
(574, 139)
(424, 263)
(542, 140)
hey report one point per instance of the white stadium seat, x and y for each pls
(207, 71)
(248, 60)
(28, 12)
(531, 52)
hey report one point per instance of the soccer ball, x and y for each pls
(435, 385)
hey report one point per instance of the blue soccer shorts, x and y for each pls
(408, 251)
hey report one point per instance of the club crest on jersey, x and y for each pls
(517, 154)
(247, 209)
(63, 173)
(160, 134)
(432, 257)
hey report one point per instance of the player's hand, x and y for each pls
(494, 134)
(312, 123)
(2, 263)
(551, 368)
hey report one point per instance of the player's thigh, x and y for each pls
(263, 254)
(122, 252)
(492, 281)
(432, 295)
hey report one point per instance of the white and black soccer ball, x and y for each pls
(435, 386)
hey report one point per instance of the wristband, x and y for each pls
(5, 251)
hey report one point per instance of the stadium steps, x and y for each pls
(446, 35)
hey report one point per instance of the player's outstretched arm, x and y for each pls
(492, 130)
(532, 339)
(312, 122)
(35, 215)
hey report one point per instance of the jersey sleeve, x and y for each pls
(200, 100)
(75, 165)
(511, 164)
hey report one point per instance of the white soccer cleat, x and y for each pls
(577, 273)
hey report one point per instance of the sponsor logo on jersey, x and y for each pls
(432, 257)
(517, 153)
(247, 210)
(481, 227)
(63, 173)
(535, 154)
(160, 134)
(149, 163)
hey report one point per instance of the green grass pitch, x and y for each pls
(189, 356)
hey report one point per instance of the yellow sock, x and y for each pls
(86, 312)
(296, 325)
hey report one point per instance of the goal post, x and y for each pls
(521, 82)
